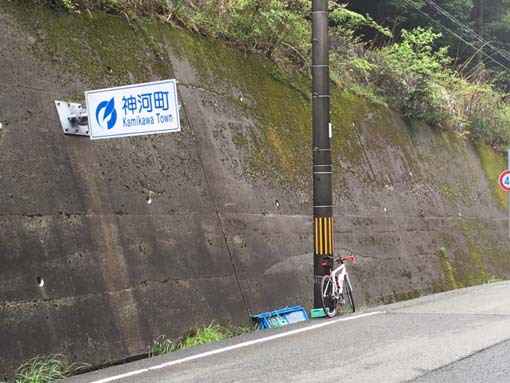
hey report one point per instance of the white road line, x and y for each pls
(234, 347)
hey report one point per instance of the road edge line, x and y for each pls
(234, 347)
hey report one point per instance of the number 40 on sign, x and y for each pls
(504, 180)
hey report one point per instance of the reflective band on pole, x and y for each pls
(331, 228)
(316, 236)
(328, 250)
(320, 235)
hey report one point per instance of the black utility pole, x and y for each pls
(322, 192)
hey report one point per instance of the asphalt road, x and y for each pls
(489, 365)
(459, 336)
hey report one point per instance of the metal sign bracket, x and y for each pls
(73, 118)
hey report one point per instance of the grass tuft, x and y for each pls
(42, 369)
(209, 334)
(196, 336)
(160, 346)
(493, 279)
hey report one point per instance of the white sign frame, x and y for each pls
(140, 120)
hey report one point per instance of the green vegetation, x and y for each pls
(44, 369)
(488, 18)
(412, 69)
(480, 257)
(449, 279)
(398, 297)
(492, 165)
(412, 72)
(195, 337)
(161, 345)
(493, 279)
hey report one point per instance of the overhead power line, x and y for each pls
(464, 27)
(456, 35)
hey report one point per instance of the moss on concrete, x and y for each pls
(279, 147)
(446, 191)
(105, 50)
(449, 282)
(480, 259)
(98, 48)
(398, 297)
(493, 164)
(346, 110)
(500, 259)
(448, 139)
(282, 103)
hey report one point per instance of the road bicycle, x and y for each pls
(336, 288)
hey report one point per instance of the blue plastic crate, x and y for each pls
(281, 317)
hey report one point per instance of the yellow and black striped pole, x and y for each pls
(322, 190)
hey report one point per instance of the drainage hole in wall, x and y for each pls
(40, 281)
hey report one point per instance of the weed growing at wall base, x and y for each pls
(161, 345)
(195, 337)
(42, 369)
(493, 279)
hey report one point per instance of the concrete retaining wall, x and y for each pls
(228, 231)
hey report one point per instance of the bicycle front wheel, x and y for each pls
(348, 293)
(329, 302)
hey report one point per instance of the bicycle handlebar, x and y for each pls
(340, 260)
(351, 258)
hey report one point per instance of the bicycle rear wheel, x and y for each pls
(348, 293)
(329, 302)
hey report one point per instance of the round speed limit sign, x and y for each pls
(504, 180)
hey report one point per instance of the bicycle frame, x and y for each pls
(338, 275)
